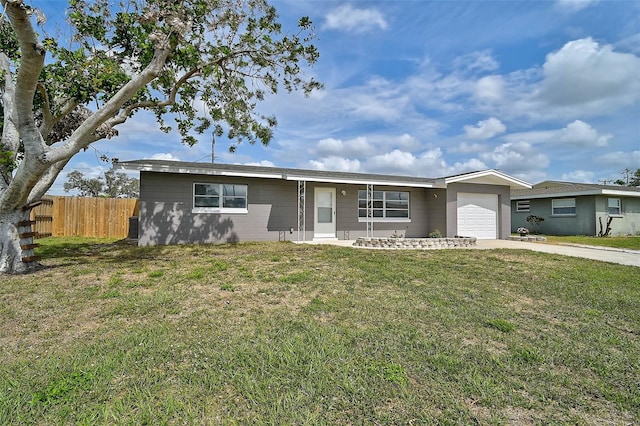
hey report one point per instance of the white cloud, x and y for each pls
(580, 133)
(437, 91)
(477, 62)
(485, 129)
(164, 156)
(336, 147)
(468, 148)
(471, 165)
(516, 156)
(574, 5)
(585, 76)
(262, 163)
(630, 44)
(621, 159)
(489, 89)
(429, 163)
(577, 134)
(336, 164)
(394, 160)
(582, 176)
(405, 141)
(350, 19)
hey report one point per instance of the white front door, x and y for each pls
(478, 216)
(324, 221)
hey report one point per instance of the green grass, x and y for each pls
(630, 242)
(277, 333)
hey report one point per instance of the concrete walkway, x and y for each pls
(604, 254)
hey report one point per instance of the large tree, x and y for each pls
(204, 63)
(631, 178)
(112, 185)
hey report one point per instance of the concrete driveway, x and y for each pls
(604, 254)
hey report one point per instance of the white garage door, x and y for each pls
(478, 215)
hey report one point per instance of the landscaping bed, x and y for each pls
(415, 243)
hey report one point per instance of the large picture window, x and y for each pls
(219, 198)
(387, 205)
(563, 207)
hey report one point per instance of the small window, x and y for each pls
(387, 205)
(523, 205)
(563, 207)
(614, 206)
(219, 198)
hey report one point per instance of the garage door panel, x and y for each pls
(478, 215)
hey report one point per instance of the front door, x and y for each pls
(324, 223)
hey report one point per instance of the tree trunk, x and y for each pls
(16, 243)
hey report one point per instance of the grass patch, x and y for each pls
(630, 242)
(502, 325)
(277, 333)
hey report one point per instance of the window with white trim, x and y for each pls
(523, 205)
(219, 198)
(614, 207)
(563, 207)
(387, 205)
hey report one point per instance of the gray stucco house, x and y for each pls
(577, 208)
(184, 202)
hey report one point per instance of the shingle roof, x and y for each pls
(482, 176)
(561, 189)
(274, 172)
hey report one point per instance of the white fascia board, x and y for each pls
(620, 193)
(512, 182)
(251, 175)
(201, 171)
(358, 181)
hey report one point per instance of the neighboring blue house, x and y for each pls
(577, 208)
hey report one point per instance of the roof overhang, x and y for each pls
(488, 177)
(273, 173)
(566, 194)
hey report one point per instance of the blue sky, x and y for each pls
(537, 89)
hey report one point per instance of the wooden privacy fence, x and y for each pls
(60, 216)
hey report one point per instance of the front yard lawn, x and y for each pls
(278, 333)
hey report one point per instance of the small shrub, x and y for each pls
(535, 222)
(435, 234)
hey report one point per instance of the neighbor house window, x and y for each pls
(614, 206)
(387, 205)
(523, 206)
(219, 198)
(563, 207)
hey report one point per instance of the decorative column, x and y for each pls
(370, 210)
(302, 192)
